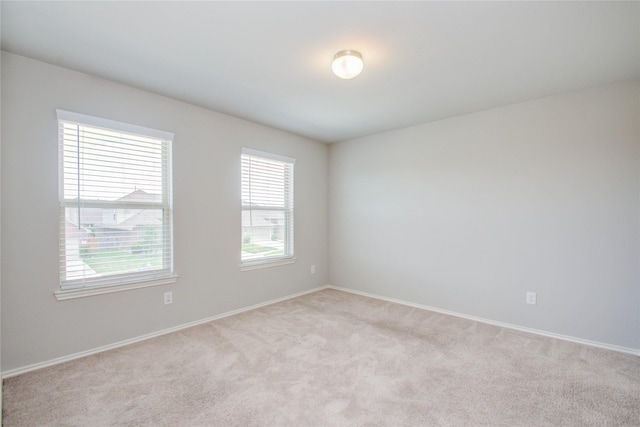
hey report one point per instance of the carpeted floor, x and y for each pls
(335, 359)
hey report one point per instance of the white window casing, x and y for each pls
(116, 208)
(267, 209)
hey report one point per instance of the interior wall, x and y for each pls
(1, 388)
(468, 214)
(206, 168)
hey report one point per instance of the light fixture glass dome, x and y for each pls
(347, 64)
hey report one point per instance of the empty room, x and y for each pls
(320, 213)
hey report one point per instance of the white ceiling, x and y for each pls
(270, 62)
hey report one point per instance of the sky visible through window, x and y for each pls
(263, 182)
(111, 164)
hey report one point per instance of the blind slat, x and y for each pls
(267, 206)
(115, 204)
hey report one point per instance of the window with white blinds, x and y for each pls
(267, 208)
(115, 202)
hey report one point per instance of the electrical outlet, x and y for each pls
(313, 269)
(168, 297)
(531, 298)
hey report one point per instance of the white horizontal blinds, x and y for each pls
(267, 206)
(115, 203)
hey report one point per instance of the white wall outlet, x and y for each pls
(168, 297)
(531, 298)
(313, 269)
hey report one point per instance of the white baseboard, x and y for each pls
(620, 349)
(23, 370)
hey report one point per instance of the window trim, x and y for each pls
(107, 289)
(272, 262)
(78, 288)
(113, 124)
(257, 263)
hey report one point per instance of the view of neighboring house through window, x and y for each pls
(115, 202)
(267, 208)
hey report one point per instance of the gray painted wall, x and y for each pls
(206, 166)
(468, 214)
(465, 214)
(0, 227)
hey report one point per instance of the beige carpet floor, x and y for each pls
(331, 358)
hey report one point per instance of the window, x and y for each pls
(115, 204)
(267, 209)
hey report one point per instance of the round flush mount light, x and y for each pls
(347, 64)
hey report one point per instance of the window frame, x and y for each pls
(107, 283)
(288, 256)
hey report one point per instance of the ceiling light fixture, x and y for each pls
(347, 64)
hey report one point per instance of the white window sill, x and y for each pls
(254, 265)
(107, 289)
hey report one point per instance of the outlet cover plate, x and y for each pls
(531, 298)
(168, 297)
